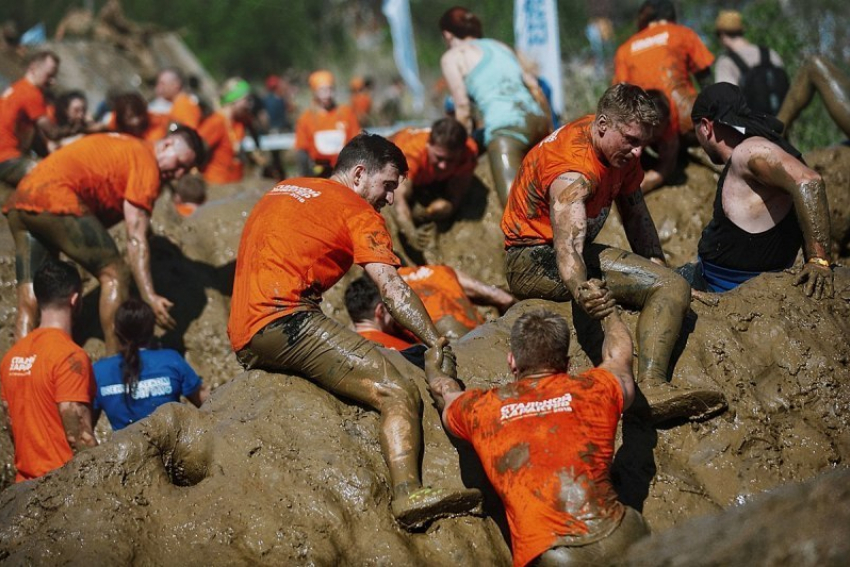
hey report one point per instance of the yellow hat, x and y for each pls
(729, 21)
(320, 78)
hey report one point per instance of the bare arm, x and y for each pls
(485, 294)
(537, 94)
(137, 222)
(443, 388)
(639, 228)
(199, 396)
(403, 195)
(77, 422)
(617, 355)
(450, 65)
(768, 165)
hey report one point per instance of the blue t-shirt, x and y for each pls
(164, 377)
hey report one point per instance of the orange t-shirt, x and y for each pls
(361, 103)
(663, 56)
(413, 142)
(527, 220)
(299, 240)
(38, 372)
(184, 110)
(547, 445)
(384, 339)
(21, 105)
(323, 133)
(224, 138)
(442, 294)
(157, 126)
(94, 175)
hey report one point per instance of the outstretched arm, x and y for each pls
(617, 355)
(766, 164)
(137, 221)
(485, 294)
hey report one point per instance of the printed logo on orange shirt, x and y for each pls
(21, 364)
(421, 273)
(651, 41)
(552, 405)
(300, 194)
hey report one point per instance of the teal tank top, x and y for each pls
(496, 87)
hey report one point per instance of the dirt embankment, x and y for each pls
(275, 470)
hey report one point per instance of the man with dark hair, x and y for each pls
(663, 55)
(442, 160)
(23, 114)
(546, 441)
(70, 200)
(300, 239)
(768, 203)
(46, 380)
(371, 318)
(557, 206)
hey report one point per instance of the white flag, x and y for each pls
(538, 40)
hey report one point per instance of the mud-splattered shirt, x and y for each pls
(663, 56)
(299, 240)
(527, 220)
(40, 371)
(92, 176)
(547, 445)
(413, 142)
(441, 293)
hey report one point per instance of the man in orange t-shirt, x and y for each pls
(46, 380)
(23, 115)
(663, 55)
(223, 132)
(361, 98)
(299, 240)
(371, 317)
(565, 188)
(67, 203)
(442, 160)
(184, 108)
(323, 129)
(546, 441)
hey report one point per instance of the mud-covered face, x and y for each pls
(620, 142)
(377, 188)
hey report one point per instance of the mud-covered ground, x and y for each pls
(275, 470)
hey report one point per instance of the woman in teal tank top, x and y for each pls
(488, 73)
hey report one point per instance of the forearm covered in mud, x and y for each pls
(408, 310)
(812, 209)
(138, 250)
(569, 227)
(638, 226)
(77, 422)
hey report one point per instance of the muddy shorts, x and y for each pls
(39, 236)
(15, 169)
(312, 345)
(603, 552)
(532, 271)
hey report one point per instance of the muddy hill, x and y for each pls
(274, 470)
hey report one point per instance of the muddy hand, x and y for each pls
(449, 363)
(434, 359)
(160, 306)
(817, 281)
(425, 236)
(595, 298)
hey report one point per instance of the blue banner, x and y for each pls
(538, 40)
(397, 13)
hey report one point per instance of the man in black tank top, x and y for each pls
(768, 202)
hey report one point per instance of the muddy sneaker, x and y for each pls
(668, 401)
(428, 504)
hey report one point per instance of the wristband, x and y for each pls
(819, 262)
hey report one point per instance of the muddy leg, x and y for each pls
(114, 290)
(818, 74)
(505, 155)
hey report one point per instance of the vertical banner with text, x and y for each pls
(537, 39)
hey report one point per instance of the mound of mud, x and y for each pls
(275, 470)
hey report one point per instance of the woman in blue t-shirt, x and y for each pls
(133, 383)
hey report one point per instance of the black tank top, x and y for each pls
(727, 245)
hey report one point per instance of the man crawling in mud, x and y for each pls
(299, 240)
(558, 204)
(768, 203)
(546, 441)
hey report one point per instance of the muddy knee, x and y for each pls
(676, 291)
(397, 391)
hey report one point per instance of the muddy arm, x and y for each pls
(77, 422)
(404, 305)
(617, 355)
(639, 228)
(569, 227)
(137, 222)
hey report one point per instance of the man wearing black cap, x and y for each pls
(768, 203)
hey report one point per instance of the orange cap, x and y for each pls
(320, 78)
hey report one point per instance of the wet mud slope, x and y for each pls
(273, 470)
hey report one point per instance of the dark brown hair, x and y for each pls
(461, 23)
(134, 324)
(540, 340)
(448, 133)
